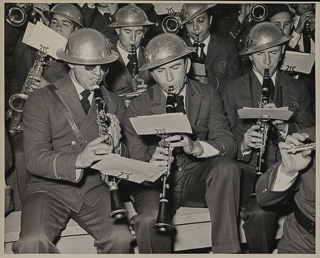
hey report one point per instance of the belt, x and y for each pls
(305, 222)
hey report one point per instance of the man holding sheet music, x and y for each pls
(265, 45)
(203, 173)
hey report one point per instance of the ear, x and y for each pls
(187, 64)
(118, 31)
(210, 20)
(250, 57)
(283, 47)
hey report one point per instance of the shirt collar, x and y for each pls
(78, 86)
(206, 43)
(260, 77)
(124, 54)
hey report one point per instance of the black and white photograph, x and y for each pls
(159, 127)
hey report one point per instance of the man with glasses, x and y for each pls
(62, 185)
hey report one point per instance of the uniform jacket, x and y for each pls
(237, 95)
(303, 189)
(118, 79)
(51, 147)
(204, 110)
(222, 61)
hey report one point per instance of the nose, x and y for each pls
(195, 25)
(133, 37)
(97, 70)
(169, 76)
(267, 59)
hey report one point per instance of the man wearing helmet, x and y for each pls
(61, 184)
(265, 45)
(206, 175)
(220, 57)
(131, 24)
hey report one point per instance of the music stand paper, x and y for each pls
(198, 69)
(272, 113)
(40, 34)
(169, 123)
(297, 62)
(129, 169)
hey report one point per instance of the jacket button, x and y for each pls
(73, 143)
(265, 190)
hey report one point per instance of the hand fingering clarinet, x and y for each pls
(163, 220)
(117, 209)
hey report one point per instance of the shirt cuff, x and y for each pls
(283, 182)
(208, 150)
(78, 173)
(294, 41)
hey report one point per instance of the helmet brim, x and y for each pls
(197, 13)
(252, 50)
(118, 25)
(48, 15)
(70, 58)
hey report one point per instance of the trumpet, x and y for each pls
(259, 12)
(172, 22)
(163, 223)
(17, 16)
(17, 101)
(117, 209)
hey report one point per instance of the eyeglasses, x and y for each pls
(104, 67)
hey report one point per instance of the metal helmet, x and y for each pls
(163, 49)
(87, 47)
(190, 11)
(68, 11)
(262, 36)
(130, 16)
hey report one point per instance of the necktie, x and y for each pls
(271, 91)
(84, 101)
(202, 56)
(180, 104)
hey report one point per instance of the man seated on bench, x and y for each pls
(294, 176)
(205, 174)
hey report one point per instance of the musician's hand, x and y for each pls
(38, 82)
(303, 19)
(40, 8)
(244, 12)
(252, 138)
(93, 152)
(115, 130)
(189, 146)
(160, 157)
(293, 162)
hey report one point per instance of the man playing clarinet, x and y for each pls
(203, 173)
(265, 45)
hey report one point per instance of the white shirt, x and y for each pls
(206, 43)
(283, 182)
(79, 88)
(124, 54)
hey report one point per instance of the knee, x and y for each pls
(146, 219)
(34, 244)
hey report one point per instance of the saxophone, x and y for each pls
(117, 209)
(17, 101)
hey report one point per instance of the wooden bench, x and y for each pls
(192, 224)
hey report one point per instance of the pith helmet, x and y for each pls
(68, 11)
(130, 16)
(163, 49)
(86, 47)
(262, 36)
(190, 11)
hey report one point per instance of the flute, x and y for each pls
(308, 146)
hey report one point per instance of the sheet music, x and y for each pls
(40, 34)
(128, 169)
(297, 62)
(273, 113)
(169, 123)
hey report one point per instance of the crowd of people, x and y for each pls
(225, 57)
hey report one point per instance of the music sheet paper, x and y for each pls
(281, 113)
(169, 123)
(198, 69)
(297, 62)
(40, 34)
(129, 169)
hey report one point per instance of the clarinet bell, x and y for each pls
(163, 222)
(117, 209)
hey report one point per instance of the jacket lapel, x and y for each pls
(192, 103)
(158, 99)
(213, 50)
(281, 89)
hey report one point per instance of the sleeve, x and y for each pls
(42, 159)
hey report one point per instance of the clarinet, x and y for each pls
(135, 70)
(194, 55)
(264, 126)
(17, 101)
(117, 209)
(163, 220)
